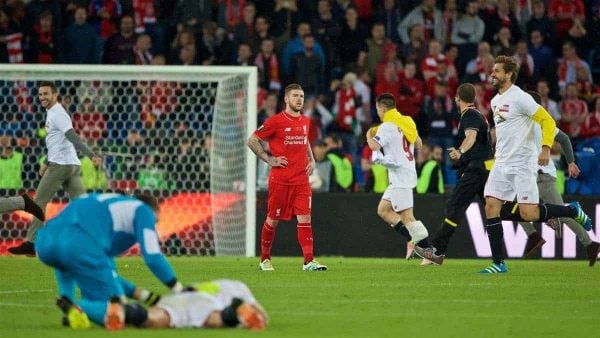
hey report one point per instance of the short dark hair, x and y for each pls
(387, 100)
(510, 65)
(150, 200)
(466, 92)
(49, 84)
(292, 86)
(536, 96)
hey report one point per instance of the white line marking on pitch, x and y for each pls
(25, 291)
(25, 305)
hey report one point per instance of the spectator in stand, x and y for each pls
(579, 36)
(308, 69)
(446, 75)
(214, 47)
(146, 21)
(230, 13)
(429, 17)
(412, 92)
(567, 66)
(450, 15)
(503, 42)
(389, 15)
(591, 125)
(467, 32)
(141, 50)
(539, 21)
(268, 67)
(541, 53)
(352, 47)
(243, 32)
(377, 44)
(191, 14)
(389, 82)
(475, 68)
(296, 46)
(328, 31)
(416, 50)
(363, 97)
(550, 105)
(321, 177)
(390, 56)
(563, 12)
(584, 86)
(501, 17)
(344, 109)
(244, 55)
(573, 112)
(89, 123)
(526, 65)
(104, 15)
(184, 38)
(80, 42)
(261, 32)
(118, 49)
(440, 117)
(268, 109)
(287, 16)
(34, 10)
(44, 41)
(187, 56)
(429, 65)
(11, 37)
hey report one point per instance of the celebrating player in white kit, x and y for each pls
(516, 160)
(393, 146)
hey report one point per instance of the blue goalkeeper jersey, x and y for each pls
(117, 222)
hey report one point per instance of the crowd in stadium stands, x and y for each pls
(344, 53)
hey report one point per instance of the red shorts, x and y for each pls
(286, 201)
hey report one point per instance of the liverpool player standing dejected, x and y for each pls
(291, 161)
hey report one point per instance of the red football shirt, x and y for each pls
(287, 136)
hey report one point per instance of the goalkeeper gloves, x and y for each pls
(148, 297)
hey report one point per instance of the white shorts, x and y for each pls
(401, 198)
(504, 182)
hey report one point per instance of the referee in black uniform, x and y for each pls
(475, 148)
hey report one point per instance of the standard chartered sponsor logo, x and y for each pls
(294, 139)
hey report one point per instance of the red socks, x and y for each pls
(305, 238)
(266, 241)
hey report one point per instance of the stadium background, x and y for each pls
(153, 123)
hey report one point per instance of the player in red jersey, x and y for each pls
(291, 163)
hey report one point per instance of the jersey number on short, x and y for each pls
(406, 145)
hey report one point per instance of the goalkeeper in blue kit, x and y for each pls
(81, 243)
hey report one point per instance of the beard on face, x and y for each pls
(296, 108)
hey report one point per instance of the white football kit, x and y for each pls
(191, 309)
(60, 150)
(398, 158)
(515, 168)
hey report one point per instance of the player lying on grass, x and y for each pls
(214, 304)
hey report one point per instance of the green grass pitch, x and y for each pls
(357, 297)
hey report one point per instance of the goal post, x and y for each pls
(145, 119)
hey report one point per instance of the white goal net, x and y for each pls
(176, 132)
